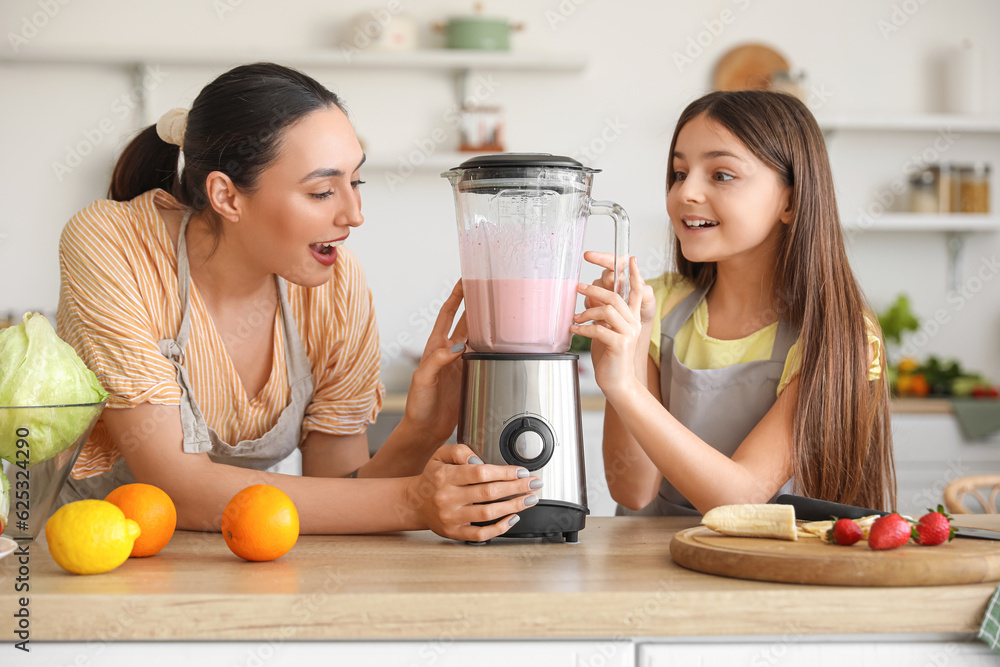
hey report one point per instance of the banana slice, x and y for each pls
(767, 520)
(821, 529)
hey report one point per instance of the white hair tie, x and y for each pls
(172, 125)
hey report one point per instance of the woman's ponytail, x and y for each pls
(234, 126)
(147, 162)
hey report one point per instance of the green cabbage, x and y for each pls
(4, 501)
(37, 368)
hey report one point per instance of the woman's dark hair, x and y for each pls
(235, 126)
(842, 429)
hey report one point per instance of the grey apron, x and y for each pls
(261, 454)
(719, 405)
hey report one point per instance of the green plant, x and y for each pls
(579, 344)
(897, 319)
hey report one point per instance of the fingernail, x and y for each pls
(514, 519)
(457, 348)
(475, 460)
(536, 484)
(531, 500)
(522, 473)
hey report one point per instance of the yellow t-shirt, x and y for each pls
(118, 297)
(699, 351)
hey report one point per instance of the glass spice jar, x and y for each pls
(923, 196)
(974, 188)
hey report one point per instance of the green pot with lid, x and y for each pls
(477, 32)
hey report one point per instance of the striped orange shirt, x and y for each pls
(118, 297)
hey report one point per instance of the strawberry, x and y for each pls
(889, 532)
(934, 528)
(845, 532)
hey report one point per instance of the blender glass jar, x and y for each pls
(521, 223)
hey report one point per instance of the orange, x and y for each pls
(920, 385)
(152, 509)
(260, 523)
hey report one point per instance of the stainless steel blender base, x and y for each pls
(524, 410)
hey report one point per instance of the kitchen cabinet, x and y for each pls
(930, 452)
(442, 651)
(792, 649)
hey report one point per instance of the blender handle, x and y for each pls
(621, 241)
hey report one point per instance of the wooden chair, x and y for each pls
(975, 486)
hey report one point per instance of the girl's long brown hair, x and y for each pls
(842, 448)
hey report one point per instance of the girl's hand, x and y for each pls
(647, 311)
(617, 326)
(433, 398)
(453, 492)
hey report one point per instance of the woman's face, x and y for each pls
(307, 201)
(725, 203)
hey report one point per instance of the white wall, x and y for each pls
(632, 81)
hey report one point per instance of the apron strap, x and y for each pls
(174, 348)
(784, 338)
(682, 312)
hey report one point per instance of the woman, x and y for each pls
(220, 308)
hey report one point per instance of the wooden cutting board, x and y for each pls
(810, 561)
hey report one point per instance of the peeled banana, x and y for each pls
(769, 520)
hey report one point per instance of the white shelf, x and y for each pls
(335, 57)
(909, 122)
(928, 222)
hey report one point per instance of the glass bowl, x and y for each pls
(36, 477)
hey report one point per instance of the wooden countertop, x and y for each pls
(618, 582)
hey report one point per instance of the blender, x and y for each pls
(521, 223)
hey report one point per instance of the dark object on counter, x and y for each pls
(810, 509)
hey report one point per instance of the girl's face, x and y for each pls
(307, 201)
(725, 203)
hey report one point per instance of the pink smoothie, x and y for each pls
(520, 315)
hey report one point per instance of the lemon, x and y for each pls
(90, 536)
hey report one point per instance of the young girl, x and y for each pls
(221, 309)
(764, 369)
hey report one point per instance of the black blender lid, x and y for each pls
(523, 160)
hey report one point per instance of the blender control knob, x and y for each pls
(529, 445)
(527, 441)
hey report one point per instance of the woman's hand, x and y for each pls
(617, 327)
(457, 489)
(433, 399)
